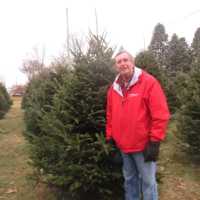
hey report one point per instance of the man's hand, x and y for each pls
(111, 142)
(151, 152)
(115, 155)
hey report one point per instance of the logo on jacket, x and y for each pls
(133, 95)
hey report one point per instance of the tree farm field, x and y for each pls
(179, 178)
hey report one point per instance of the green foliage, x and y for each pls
(178, 55)
(92, 76)
(158, 45)
(5, 100)
(65, 121)
(196, 45)
(189, 116)
(38, 97)
(180, 87)
(174, 57)
(147, 61)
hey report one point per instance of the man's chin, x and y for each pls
(126, 74)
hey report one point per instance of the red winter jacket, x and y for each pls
(139, 116)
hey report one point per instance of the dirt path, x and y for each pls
(13, 163)
(181, 177)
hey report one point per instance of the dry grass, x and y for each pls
(14, 168)
(181, 179)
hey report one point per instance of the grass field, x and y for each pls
(180, 178)
(15, 183)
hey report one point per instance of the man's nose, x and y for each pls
(123, 63)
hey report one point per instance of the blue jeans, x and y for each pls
(139, 177)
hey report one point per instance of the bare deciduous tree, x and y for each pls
(34, 65)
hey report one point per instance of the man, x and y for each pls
(137, 117)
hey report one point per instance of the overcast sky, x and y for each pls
(41, 24)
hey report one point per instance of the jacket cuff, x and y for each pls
(153, 139)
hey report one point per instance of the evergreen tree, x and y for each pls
(85, 105)
(92, 76)
(5, 100)
(158, 45)
(189, 116)
(178, 55)
(39, 97)
(196, 45)
(67, 133)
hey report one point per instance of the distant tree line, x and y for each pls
(64, 106)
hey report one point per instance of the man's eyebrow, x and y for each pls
(122, 59)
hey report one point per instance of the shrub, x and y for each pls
(5, 100)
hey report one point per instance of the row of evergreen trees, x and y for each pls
(180, 63)
(65, 111)
(5, 101)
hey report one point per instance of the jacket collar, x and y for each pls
(134, 80)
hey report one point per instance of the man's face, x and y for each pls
(124, 64)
